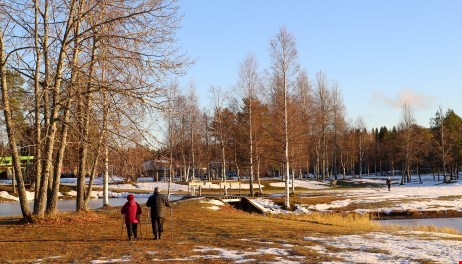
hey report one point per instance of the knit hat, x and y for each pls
(130, 197)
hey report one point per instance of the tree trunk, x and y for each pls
(53, 200)
(11, 133)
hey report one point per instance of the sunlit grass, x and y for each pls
(353, 220)
(100, 234)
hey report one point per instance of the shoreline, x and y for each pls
(399, 215)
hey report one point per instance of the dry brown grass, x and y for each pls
(98, 235)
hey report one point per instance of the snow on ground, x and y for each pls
(216, 205)
(282, 255)
(7, 196)
(388, 248)
(325, 207)
(267, 206)
(304, 184)
(415, 196)
(163, 186)
(122, 259)
(99, 194)
(375, 247)
(125, 186)
(428, 195)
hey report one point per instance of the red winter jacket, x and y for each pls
(131, 210)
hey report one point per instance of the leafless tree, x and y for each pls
(58, 47)
(323, 120)
(408, 141)
(249, 84)
(284, 68)
(220, 128)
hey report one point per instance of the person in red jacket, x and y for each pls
(132, 211)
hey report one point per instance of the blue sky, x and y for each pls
(380, 53)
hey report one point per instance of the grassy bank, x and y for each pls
(197, 235)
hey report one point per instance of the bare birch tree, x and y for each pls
(220, 130)
(283, 69)
(56, 41)
(248, 86)
(4, 56)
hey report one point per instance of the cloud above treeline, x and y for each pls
(414, 99)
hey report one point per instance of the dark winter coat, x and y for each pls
(158, 204)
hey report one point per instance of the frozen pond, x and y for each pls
(13, 208)
(455, 223)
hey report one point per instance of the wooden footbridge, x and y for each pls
(240, 201)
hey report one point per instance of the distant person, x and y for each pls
(158, 204)
(389, 183)
(132, 211)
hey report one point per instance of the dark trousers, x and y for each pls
(132, 230)
(157, 226)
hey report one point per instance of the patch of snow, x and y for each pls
(222, 253)
(163, 186)
(324, 207)
(216, 204)
(282, 260)
(6, 195)
(121, 186)
(310, 184)
(387, 248)
(30, 195)
(213, 201)
(273, 251)
(123, 259)
(267, 206)
(215, 208)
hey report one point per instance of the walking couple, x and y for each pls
(132, 210)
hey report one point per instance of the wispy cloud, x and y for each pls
(413, 98)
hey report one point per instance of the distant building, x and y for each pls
(6, 166)
(156, 168)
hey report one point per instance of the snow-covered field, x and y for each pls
(374, 247)
(426, 196)
(377, 247)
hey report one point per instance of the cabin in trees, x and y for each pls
(157, 168)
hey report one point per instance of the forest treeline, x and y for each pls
(88, 87)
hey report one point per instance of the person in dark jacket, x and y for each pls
(389, 183)
(158, 204)
(132, 211)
